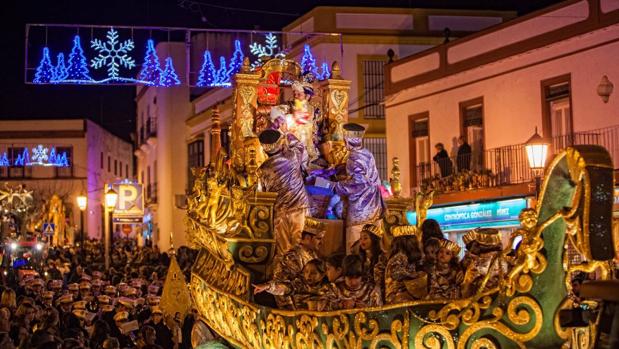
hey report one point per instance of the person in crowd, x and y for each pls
(402, 266)
(464, 155)
(430, 253)
(430, 229)
(282, 173)
(442, 159)
(446, 274)
(362, 187)
(370, 250)
(308, 291)
(290, 266)
(334, 267)
(354, 291)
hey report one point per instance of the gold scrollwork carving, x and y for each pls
(249, 254)
(259, 220)
(432, 337)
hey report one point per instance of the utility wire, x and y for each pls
(188, 4)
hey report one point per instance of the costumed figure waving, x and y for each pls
(282, 173)
(361, 188)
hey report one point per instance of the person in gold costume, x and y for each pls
(282, 173)
(290, 266)
(310, 290)
(370, 250)
(446, 275)
(483, 262)
(354, 291)
(402, 265)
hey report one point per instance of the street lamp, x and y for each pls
(537, 151)
(111, 196)
(82, 203)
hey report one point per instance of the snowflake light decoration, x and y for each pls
(39, 154)
(269, 49)
(112, 54)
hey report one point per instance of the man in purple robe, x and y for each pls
(282, 173)
(361, 188)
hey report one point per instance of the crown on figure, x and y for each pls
(314, 226)
(450, 245)
(372, 229)
(484, 236)
(404, 230)
(352, 130)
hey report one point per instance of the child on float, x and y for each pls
(403, 265)
(334, 267)
(483, 263)
(354, 291)
(369, 249)
(445, 276)
(430, 253)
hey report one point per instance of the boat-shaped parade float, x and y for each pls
(230, 219)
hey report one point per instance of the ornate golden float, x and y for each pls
(231, 222)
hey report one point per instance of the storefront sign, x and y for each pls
(129, 206)
(497, 214)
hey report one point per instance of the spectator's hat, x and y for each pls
(55, 284)
(103, 299)
(65, 299)
(86, 277)
(126, 302)
(88, 298)
(82, 314)
(139, 301)
(314, 226)
(97, 283)
(84, 285)
(110, 290)
(156, 310)
(107, 308)
(154, 300)
(47, 295)
(121, 316)
(79, 305)
(130, 292)
(74, 287)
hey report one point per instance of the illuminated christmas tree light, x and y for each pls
(207, 76)
(60, 72)
(222, 73)
(308, 62)
(325, 73)
(4, 160)
(45, 70)
(169, 77)
(77, 70)
(236, 62)
(151, 69)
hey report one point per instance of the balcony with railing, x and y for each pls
(151, 130)
(502, 166)
(151, 193)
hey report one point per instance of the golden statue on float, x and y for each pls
(246, 206)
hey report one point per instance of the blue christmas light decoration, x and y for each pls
(308, 62)
(112, 54)
(236, 62)
(45, 70)
(151, 69)
(207, 76)
(169, 77)
(23, 158)
(77, 70)
(324, 73)
(222, 73)
(268, 49)
(60, 72)
(4, 160)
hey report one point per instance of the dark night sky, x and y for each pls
(113, 107)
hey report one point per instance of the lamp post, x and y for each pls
(537, 151)
(82, 203)
(111, 196)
